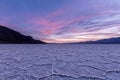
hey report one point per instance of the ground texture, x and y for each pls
(60, 62)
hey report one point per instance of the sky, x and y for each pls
(62, 21)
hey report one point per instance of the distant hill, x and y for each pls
(105, 41)
(13, 37)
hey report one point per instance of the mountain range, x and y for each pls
(104, 41)
(9, 36)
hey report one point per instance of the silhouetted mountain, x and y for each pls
(105, 41)
(10, 36)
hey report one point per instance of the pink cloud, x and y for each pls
(47, 31)
(49, 27)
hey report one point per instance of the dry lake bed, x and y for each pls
(60, 62)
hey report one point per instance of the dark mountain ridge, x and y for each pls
(104, 41)
(10, 36)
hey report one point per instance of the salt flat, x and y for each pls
(60, 62)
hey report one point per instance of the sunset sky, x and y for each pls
(62, 21)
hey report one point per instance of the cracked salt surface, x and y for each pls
(60, 62)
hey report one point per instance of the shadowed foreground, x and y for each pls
(60, 62)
